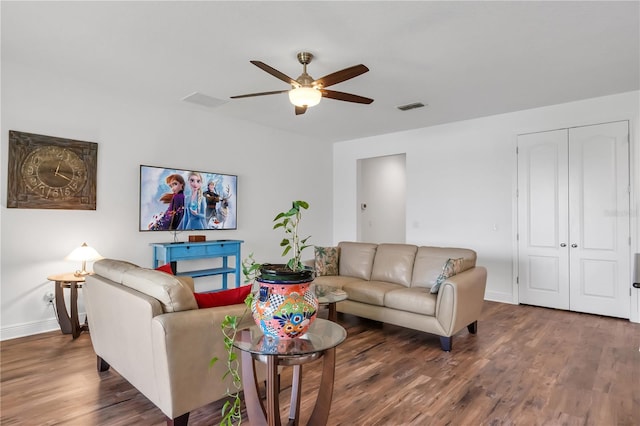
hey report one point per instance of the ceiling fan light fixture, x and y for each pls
(305, 96)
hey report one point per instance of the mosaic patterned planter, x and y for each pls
(285, 306)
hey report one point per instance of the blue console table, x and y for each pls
(173, 252)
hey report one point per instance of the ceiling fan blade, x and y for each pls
(341, 96)
(301, 110)
(274, 72)
(259, 94)
(342, 75)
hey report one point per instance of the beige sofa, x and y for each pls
(391, 283)
(147, 326)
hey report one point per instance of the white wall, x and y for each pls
(462, 179)
(131, 132)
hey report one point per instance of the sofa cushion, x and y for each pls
(394, 263)
(186, 280)
(429, 261)
(450, 268)
(232, 296)
(337, 281)
(112, 269)
(413, 299)
(356, 259)
(174, 295)
(326, 260)
(371, 292)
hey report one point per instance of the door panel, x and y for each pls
(594, 273)
(599, 218)
(542, 219)
(544, 274)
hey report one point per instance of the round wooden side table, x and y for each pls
(319, 342)
(69, 324)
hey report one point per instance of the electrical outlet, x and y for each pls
(49, 297)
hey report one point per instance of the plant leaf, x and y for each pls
(301, 203)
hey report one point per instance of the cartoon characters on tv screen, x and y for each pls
(171, 219)
(217, 211)
(197, 209)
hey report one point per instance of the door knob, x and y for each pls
(563, 244)
(574, 245)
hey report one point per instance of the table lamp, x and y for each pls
(83, 253)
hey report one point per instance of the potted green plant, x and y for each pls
(285, 305)
(292, 275)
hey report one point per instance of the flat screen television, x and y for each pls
(186, 200)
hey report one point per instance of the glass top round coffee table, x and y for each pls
(319, 342)
(328, 295)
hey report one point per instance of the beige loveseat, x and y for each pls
(147, 326)
(391, 283)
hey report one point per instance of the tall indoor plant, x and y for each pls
(289, 221)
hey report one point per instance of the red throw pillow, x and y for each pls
(222, 298)
(165, 268)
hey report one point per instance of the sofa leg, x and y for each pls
(102, 364)
(179, 421)
(473, 327)
(445, 343)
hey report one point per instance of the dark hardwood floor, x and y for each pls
(526, 366)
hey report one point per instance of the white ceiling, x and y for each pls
(463, 59)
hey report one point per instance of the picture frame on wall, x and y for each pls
(47, 172)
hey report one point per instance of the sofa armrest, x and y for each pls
(460, 299)
(184, 344)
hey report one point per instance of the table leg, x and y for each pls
(224, 276)
(75, 321)
(255, 409)
(273, 397)
(296, 392)
(320, 414)
(61, 309)
(333, 313)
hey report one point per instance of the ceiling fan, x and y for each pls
(306, 92)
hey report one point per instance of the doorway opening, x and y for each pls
(381, 198)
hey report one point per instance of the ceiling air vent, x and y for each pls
(407, 107)
(204, 100)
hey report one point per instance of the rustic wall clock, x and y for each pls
(46, 172)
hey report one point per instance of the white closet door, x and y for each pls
(573, 219)
(543, 262)
(599, 219)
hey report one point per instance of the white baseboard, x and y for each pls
(494, 296)
(28, 329)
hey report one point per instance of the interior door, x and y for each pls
(599, 219)
(543, 257)
(573, 219)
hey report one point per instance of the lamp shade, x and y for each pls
(83, 254)
(305, 96)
